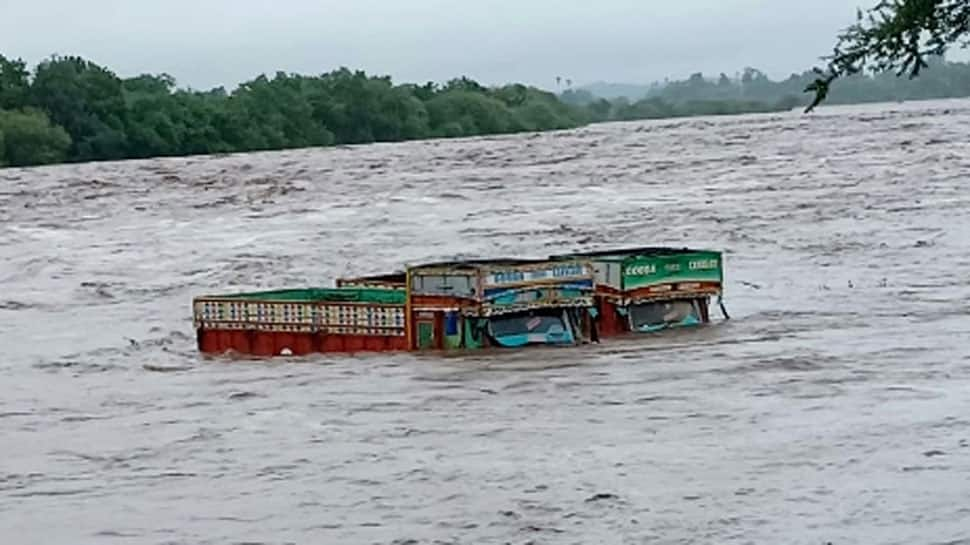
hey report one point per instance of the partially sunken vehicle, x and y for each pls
(561, 300)
(649, 289)
(501, 302)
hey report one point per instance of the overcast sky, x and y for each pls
(204, 43)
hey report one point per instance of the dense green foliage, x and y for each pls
(894, 36)
(28, 138)
(101, 116)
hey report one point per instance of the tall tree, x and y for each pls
(14, 84)
(152, 129)
(86, 100)
(894, 35)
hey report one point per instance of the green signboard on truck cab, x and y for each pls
(648, 271)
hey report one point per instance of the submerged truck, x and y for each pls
(560, 300)
(303, 321)
(653, 288)
(499, 302)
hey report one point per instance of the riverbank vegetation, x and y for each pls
(69, 109)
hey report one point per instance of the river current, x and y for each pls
(834, 406)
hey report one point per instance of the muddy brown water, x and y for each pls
(833, 407)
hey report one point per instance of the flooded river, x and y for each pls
(833, 407)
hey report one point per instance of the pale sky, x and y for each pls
(204, 43)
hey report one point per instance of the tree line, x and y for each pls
(752, 90)
(71, 109)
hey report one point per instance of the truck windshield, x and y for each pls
(526, 325)
(646, 316)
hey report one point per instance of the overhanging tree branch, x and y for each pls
(895, 35)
